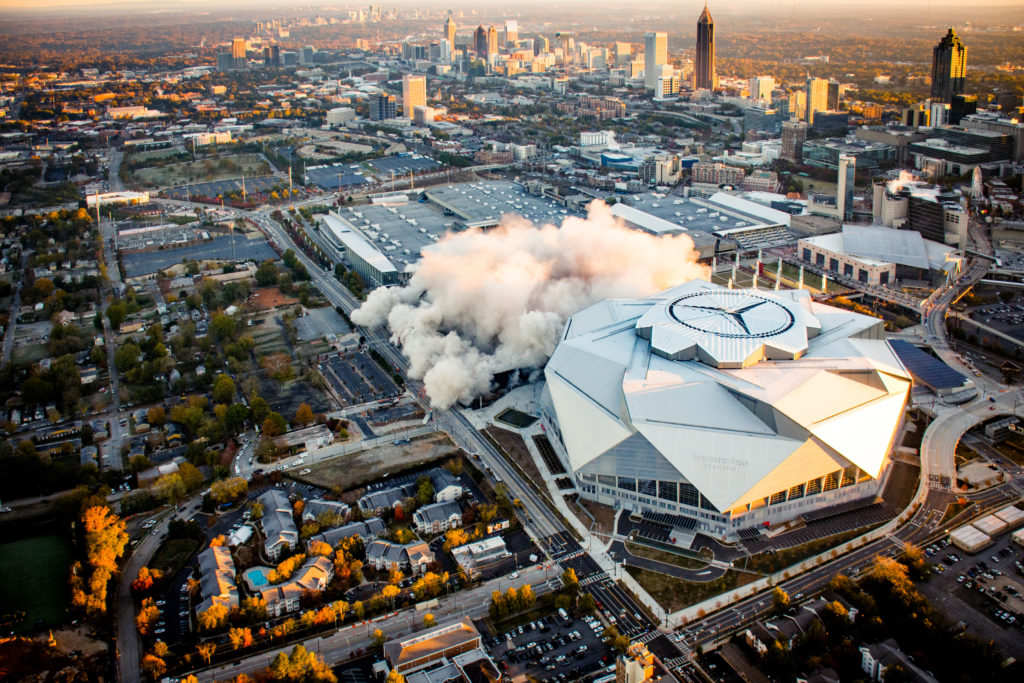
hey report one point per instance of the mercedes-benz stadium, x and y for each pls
(724, 409)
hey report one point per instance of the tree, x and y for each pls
(127, 356)
(240, 638)
(215, 617)
(116, 313)
(428, 620)
(394, 676)
(145, 580)
(169, 487)
(223, 389)
(424, 491)
(454, 538)
(223, 327)
(228, 489)
(153, 666)
(274, 425)
(390, 592)
(206, 651)
(319, 548)
(304, 415)
(156, 416)
(569, 580)
(266, 274)
(378, 637)
(254, 608)
(780, 600)
(147, 617)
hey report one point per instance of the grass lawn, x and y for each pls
(668, 557)
(200, 171)
(780, 559)
(1012, 448)
(674, 594)
(173, 554)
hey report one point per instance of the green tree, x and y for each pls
(223, 389)
(780, 600)
(223, 327)
(266, 274)
(424, 491)
(127, 356)
(116, 313)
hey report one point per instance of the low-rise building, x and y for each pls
(306, 439)
(878, 657)
(413, 557)
(447, 486)
(313, 576)
(437, 517)
(367, 531)
(314, 508)
(427, 648)
(278, 526)
(473, 557)
(217, 579)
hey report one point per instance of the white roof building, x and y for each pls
(725, 409)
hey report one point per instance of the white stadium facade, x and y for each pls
(725, 409)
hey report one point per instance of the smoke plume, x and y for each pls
(481, 303)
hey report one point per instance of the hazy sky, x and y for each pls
(732, 6)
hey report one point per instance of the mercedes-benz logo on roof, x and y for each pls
(731, 314)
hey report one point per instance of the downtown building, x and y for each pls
(704, 75)
(949, 68)
(724, 410)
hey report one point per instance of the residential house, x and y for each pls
(375, 502)
(313, 576)
(878, 657)
(447, 486)
(315, 508)
(367, 531)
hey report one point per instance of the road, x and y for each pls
(340, 645)
(128, 645)
(117, 433)
(12, 319)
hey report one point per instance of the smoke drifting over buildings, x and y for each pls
(486, 302)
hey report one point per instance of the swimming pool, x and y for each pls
(256, 577)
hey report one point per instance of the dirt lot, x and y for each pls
(266, 298)
(363, 467)
(516, 449)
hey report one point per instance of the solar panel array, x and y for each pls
(926, 368)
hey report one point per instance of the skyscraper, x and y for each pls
(511, 32)
(794, 133)
(704, 75)
(480, 41)
(383, 107)
(844, 188)
(492, 42)
(761, 88)
(833, 96)
(414, 94)
(655, 56)
(449, 30)
(238, 52)
(949, 67)
(817, 97)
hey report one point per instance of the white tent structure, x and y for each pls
(726, 409)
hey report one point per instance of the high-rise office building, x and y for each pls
(511, 32)
(224, 61)
(949, 68)
(704, 75)
(844, 186)
(817, 97)
(414, 94)
(238, 52)
(541, 45)
(761, 88)
(492, 42)
(623, 54)
(272, 56)
(449, 30)
(480, 41)
(794, 134)
(833, 96)
(383, 107)
(655, 56)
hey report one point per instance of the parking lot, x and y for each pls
(402, 164)
(320, 323)
(553, 649)
(333, 176)
(225, 248)
(983, 591)
(222, 188)
(356, 379)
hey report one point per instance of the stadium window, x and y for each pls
(796, 492)
(849, 476)
(668, 490)
(628, 484)
(706, 504)
(688, 494)
(588, 477)
(648, 487)
(606, 480)
(831, 481)
(813, 487)
(777, 497)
